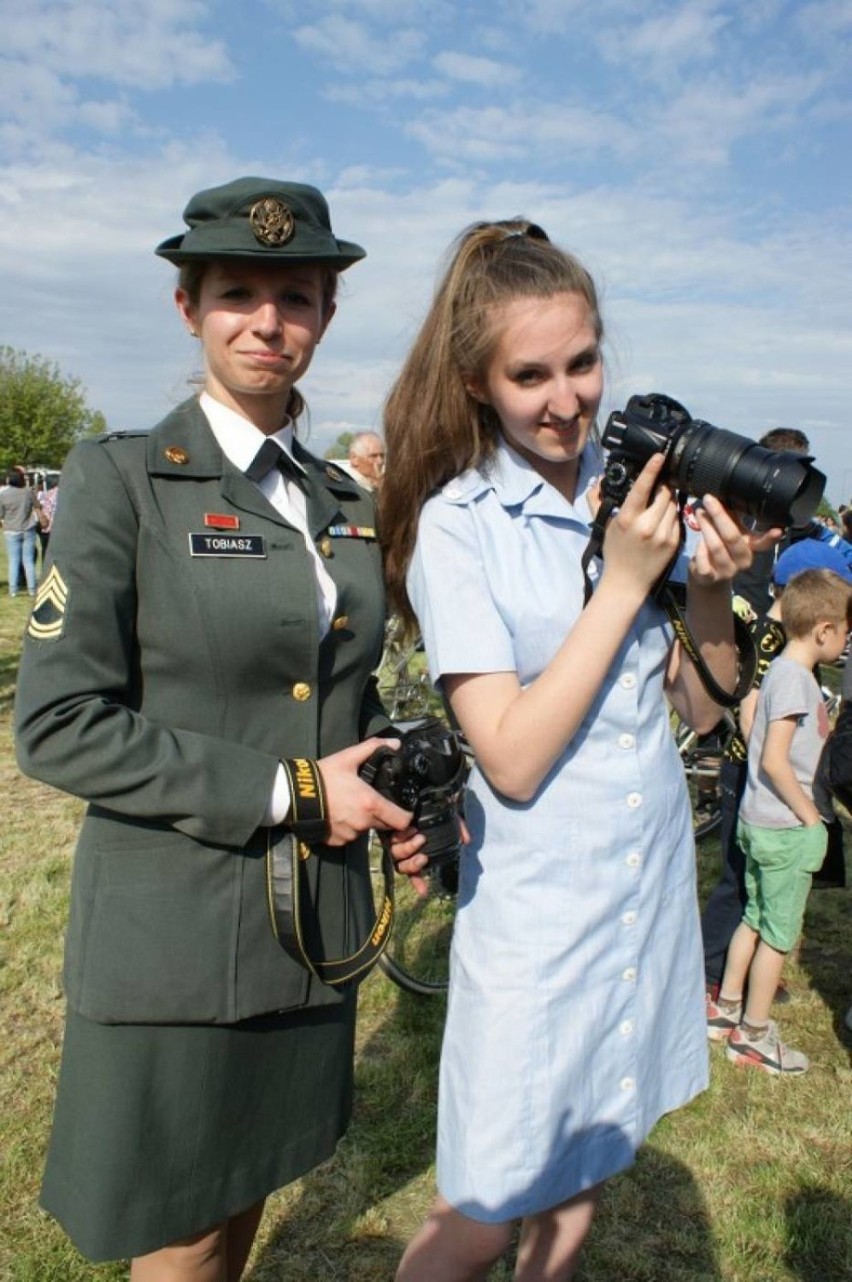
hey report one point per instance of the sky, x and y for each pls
(696, 155)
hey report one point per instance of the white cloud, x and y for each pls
(370, 93)
(546, 134)
(147, 45)
(352, 48)
(664, 41)
(484, 72)
(551, 16)
(826, 18)
(703, 122)
(385, 12)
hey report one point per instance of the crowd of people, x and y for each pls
(199, 667)
(26, 514)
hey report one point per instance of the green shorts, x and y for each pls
(780, 863)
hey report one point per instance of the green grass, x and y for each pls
(751, 1183)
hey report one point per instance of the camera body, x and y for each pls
(426, 775)
(776, 487)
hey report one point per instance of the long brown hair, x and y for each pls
(191, 277)
(434, 428)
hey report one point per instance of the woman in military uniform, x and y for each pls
(198, 669)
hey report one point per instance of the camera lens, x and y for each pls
(776, 487)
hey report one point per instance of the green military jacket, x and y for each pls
(165, 672)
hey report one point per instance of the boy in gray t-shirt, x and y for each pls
(780, 828)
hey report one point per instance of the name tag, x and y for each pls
(227, 545)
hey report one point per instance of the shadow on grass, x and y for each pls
(349, 1220)
(652, 1226)
(819, 1235)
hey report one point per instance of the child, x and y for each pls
(780, 828)
(566, 1039)
(726, 904)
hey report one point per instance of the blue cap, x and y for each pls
(810, 554)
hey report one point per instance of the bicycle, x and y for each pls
(701, 756)
(418, 952)
(417, 957)
(404, 685)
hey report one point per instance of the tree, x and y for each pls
(42, 411)
(340, 448)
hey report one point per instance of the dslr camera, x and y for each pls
(775, 487)
(425, 774)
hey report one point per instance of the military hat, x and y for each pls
(263, 220)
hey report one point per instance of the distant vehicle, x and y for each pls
(42, 478)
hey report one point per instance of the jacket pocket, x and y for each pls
(160, 931)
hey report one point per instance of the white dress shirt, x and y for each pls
(240, 441)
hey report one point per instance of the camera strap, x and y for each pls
(672, 599)
(292, 909)
(594, 547)
(667, 596)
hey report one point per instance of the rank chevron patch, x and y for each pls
(47, 621)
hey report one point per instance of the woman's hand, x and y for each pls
(644, 535)
(353, 806)
(726, 547)
(406, 852)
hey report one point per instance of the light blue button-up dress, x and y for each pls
(576, 1009)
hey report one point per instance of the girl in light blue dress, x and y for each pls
(576, 1007)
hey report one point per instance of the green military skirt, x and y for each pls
(164, 1131)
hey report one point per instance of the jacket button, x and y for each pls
(340, 622)
(301, 691)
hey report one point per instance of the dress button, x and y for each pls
(634, 799)
(626, 1027)
(627, 1083)
(626, 741)
(340, 622)
(629, 973)
(634, 859)
(628, 918)
(628, 681)
(301, 691)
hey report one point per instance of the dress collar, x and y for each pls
(517, 484)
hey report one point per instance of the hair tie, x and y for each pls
(532, 230)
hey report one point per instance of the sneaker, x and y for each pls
(767, 1053)
(721, 1023)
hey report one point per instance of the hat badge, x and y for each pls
(272, 221)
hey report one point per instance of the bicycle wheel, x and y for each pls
(417, 957)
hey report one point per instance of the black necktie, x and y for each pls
(271, 455)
